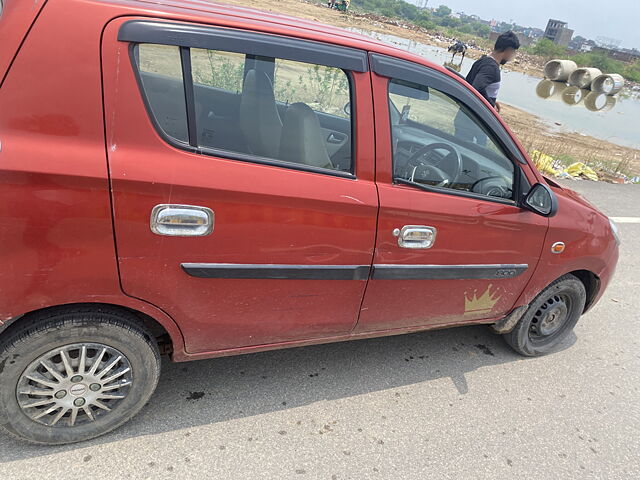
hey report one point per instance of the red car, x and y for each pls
(199, 180)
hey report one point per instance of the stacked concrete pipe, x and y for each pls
(608, 83)
(584, 77)
(550, 90)
(559, 70)
(573, 95)
(599, 102)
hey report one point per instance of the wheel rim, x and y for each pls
(74, 385)
(550, 318)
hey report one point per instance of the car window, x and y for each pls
(438, 142)
(217, 69)
(324, 89)
(250, 107)
(161, 77)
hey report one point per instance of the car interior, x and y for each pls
(461, 160)
(252, 122)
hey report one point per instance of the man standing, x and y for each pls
(484, 75)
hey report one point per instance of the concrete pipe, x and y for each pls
(573, 95)
(559, 70)
(609, 83)
(550, 90)
(583, 77)
(599, 102)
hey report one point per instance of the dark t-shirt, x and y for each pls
(484, 76)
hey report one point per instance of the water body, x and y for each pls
(615, 119)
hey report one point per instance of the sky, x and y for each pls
(618, 19)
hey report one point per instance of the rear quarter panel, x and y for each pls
(56, 236)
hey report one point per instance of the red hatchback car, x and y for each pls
(198, 180)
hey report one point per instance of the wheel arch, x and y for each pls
(165, 332)
(591, 284)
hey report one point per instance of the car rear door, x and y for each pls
(449, 250)
(225, 217)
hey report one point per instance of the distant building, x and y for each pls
(525, 41)
(622, 54)
(533, 32)
(558, 32)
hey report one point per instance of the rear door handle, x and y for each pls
(181, 220)
(415, 236)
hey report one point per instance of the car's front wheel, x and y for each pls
(549, 318)
(74, 374)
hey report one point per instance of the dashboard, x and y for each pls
(480, 170)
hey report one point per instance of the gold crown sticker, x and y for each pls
(482, 305)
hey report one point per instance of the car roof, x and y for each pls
(248, 13)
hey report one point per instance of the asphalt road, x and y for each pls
(445, 404)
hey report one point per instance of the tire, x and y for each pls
(550, 318)
(61, 347)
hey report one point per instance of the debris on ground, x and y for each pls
(579, 169)
(550, 166)
(547, 164)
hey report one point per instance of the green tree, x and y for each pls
(632, 71)
(547, 49)
(481, 29)
(598, 60)
(442, 11)
(450, 22)
(425, 20)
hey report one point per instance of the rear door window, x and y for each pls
(249, 107)
(161, 77)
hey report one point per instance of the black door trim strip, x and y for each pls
(277, 272)
(242, 41)
(353, 272)
(447, 272)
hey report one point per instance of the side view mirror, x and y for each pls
(541, 200)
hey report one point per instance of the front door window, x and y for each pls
(438, 142)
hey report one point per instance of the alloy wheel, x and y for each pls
(74, 384)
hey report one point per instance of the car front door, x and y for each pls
(240, 207)
(452, 245)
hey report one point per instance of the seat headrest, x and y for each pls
(302, 138)
(260, 122)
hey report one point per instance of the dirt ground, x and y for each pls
(535, 134)
(605, 157)
(317, 11)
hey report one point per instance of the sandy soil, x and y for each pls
(605, 157)
(534, 133)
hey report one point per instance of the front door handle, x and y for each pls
(181, 220)
(415, 236)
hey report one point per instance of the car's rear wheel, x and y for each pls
(74, 374)
(549, 318)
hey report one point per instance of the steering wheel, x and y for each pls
(423, 162)
(492, 186)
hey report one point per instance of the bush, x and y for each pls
(632, 72)
(547, 49)
(598, 60)
(442, 11)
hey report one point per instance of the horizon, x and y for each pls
(586, 22)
